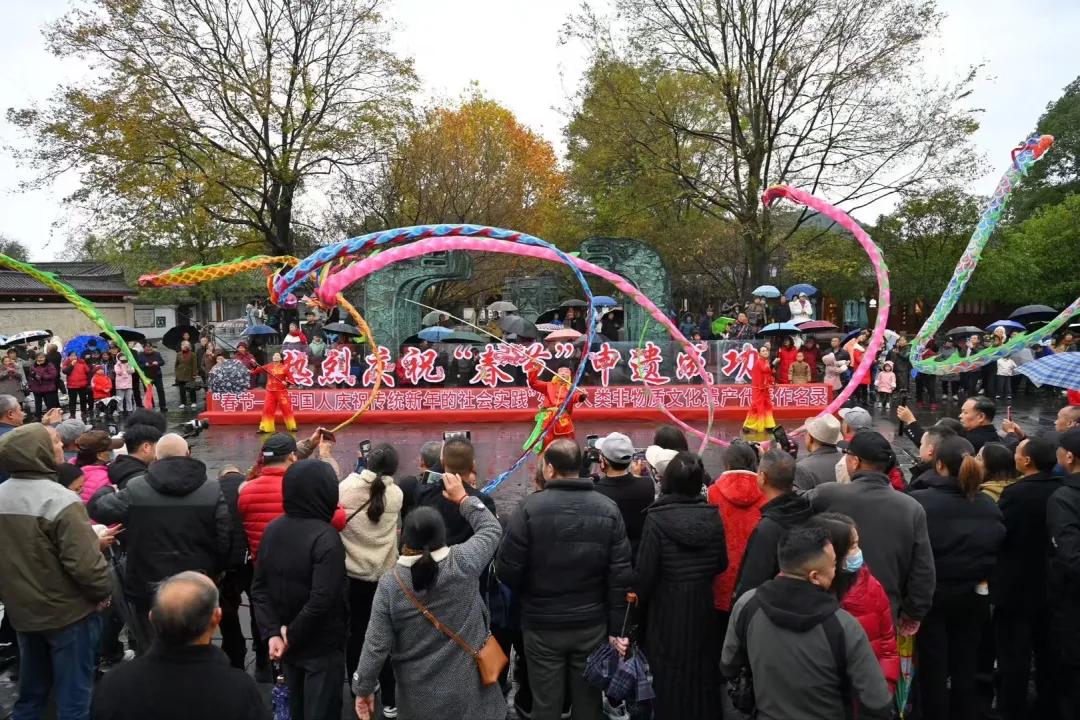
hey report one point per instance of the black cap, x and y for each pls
(278, 445)
(869, 445)
(1070, 440)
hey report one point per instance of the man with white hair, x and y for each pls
(175, 518)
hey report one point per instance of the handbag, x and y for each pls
(490, 659)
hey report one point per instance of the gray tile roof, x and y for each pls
(86, 278)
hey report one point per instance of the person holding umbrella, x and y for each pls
(802, 310)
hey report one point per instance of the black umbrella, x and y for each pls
(340, 328)
(129, 334)
(517, 325)
(573, 303)
(851, 336)
(175, 335)
(965, 330)
(1029, 313)
(549, 315)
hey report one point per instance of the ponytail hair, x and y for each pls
(424, 532)
(383, 461)
(957, 455)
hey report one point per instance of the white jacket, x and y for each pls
(370, 548)
(801, 310)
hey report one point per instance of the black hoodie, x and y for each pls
(300, 571)
(175, 519)
(759, 562)
(123, 468)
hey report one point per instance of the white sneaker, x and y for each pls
(389, 712)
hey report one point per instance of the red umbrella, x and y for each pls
(564, 335)
(813, 325)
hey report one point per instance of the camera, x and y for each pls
(450, 435)
(591, 455)
(194, 428)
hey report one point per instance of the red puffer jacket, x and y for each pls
(78, 374)
(868, 603)
(260, 502)
(737, 495)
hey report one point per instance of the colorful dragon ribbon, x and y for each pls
(185, 276)
(1024, 156)
(83, 305)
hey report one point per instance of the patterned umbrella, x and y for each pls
(229, 377)
(279, 696)
(905, 645)
(1060, 370)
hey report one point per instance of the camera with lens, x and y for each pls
(193, 428)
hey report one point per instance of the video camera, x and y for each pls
(193, 428)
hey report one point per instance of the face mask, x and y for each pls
(853, 562)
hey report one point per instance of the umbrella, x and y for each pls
(766, 291)
(564, 335)
(517, 325)
(814, 325)
(1007, 324)
(906, 646)
(632, 681)
(502, 306)
(434, 333)
(720, 325)
(799, 289)
(26, 336)
(340, 328)
(1060, 370)
(434, 318)
(463, 337)
(279, 695)
(1029, 313)
(548, 327)
(601, 666)
(229, 377)
(175, 335)
(574, 304)
(261, 330)
(550, 316)
(129, 334)
(851, 336)
(964, 330)
(779, 329)
(80, 343)
(604, 301)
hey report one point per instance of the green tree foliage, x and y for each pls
(1058, 173)
(13, 249)
(735, 96)
(210, 119)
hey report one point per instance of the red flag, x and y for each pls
(148, 397)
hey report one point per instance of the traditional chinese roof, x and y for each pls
(89, 279)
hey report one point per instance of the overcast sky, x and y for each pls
(511, 49)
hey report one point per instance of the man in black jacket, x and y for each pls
(185, 676)
(458, 457)
(632, 494)
(151, 362)
(783, 510)
(977, 417)
(299, 592)
(1063, 586)
(566, 554)
(175, 520)
(1018, 585)
(140, 442)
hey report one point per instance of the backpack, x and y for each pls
(741, 689)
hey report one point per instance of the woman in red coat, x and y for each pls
(760, 417)
(812, 355)
(785, 356)
(554, 393)
(860, 593)
(738, 497)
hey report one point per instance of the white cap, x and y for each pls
(659, 457)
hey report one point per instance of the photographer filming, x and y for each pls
(633, 494)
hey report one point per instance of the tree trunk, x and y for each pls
(280, 238)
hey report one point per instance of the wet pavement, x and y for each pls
(498, 446)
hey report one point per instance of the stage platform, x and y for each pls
(513, 404)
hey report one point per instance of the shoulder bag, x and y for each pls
(490, 659)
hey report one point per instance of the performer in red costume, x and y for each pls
(554, 392)
(278, 379)
(760, 417)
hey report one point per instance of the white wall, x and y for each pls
(62, 318)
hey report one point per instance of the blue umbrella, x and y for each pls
(1060, 370)
(435, 333)
(766, 291)
(80, 343)
(779, 329)
(1007, 324)
(794, 290)
(604, 301)
(260, 330)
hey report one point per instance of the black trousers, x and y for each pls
(234, 584)
(948, 656)
(512, 638)
(45, 401)
(315, 686)
(159, 386)
(84, 397)
(361, 595)
(1020, 636)
(185, 391)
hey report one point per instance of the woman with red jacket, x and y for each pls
(77, 370)
(860, 593)
(738, 497)
(785, 356)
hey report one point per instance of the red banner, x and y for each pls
(512, 404)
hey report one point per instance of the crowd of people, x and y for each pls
(783, 588)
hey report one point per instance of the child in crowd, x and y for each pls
(800, 370)
(104, 403)
(886, 384)
(125, 395)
